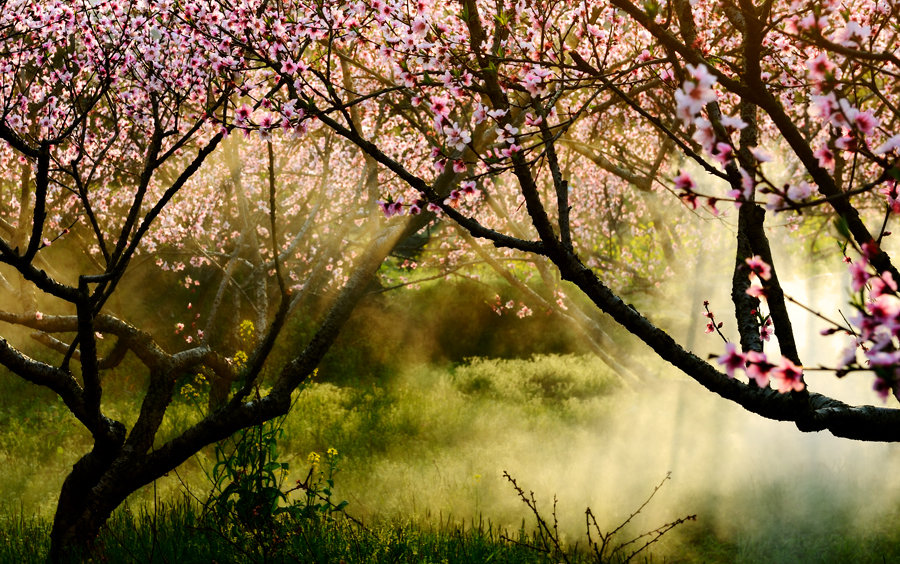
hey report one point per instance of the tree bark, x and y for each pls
(84, 504)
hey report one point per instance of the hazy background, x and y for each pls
(429, 396)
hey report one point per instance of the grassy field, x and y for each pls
(420, 459)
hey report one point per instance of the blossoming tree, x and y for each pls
(553, 131)
(117, 124)
(511, 89)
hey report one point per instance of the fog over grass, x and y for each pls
(429, 441)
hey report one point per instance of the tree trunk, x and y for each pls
(85, 503)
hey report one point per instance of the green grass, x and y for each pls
(177, 532)
(422, 456)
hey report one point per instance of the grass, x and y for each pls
(422, 460)
(177, 532)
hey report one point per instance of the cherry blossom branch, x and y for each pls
(711, 325)
(586, 67)
(499, 239)
(819, 413)
(756, 91)
(821, 41)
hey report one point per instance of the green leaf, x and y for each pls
(842, 228)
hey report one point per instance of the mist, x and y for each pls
(426, 424)
(765, 489)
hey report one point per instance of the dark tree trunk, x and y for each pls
(88, 497)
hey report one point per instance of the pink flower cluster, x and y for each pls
(786, 376)
(875, 328)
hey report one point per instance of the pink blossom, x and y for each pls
(866, 122)
(391, 208)
(457, 137)
(761, 154)
(469, 192)
(511, 150)
(731, 360)
(758, 368)
(882, 387)
(819, 67)
(884, 311)
(852, 33)
(242, 114)
(419, 26)
(812, 21)
(722, 153)
(882, 358)
(684, 181)
(859, 275)
(759, 267)
(704, 134)
(38, 315)
(825, 157)
(533, 121)
(845, 143)
(788, 377)
(733, 122)
(507, 134)
(690, 199)
(799, 191)
(479, 114)
(883, 284)
(765, 330)
(452, 199)
(892, 192)
(848, 355)
(757, 292)
(440, 107)
(695, 93)
(534, 79)
(824, 106)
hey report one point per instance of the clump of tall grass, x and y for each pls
(177, 532)
(546, 378)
